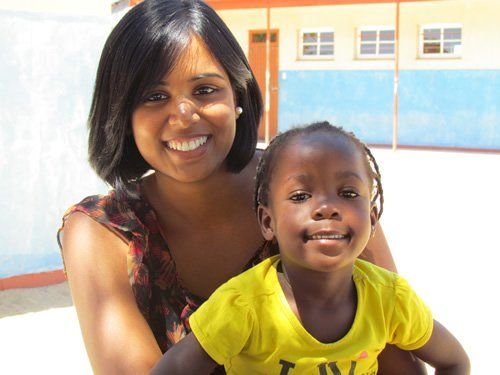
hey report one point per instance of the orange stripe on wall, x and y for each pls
(33, 280)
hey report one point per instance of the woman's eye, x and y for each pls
(156, 97)
(205, 90)
(349, 194)
(300, 197)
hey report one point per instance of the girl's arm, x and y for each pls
(185, 357)
(444, 353)
(117, 337)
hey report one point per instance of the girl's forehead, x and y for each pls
(320, 151)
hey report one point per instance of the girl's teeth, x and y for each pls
(187, 146)
(328, 237)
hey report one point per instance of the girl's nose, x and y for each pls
(183, 113)
(326, 210)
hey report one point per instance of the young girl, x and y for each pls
(315, 308)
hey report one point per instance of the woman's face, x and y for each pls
(186, 123)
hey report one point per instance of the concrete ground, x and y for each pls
(442, 223)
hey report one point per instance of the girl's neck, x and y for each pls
(321, 289)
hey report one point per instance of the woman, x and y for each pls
(174, 95)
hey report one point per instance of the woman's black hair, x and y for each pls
(143, 47)
(271, 154)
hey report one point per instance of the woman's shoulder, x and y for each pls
(121, 214)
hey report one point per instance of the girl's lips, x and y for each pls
(327, 235)
(186, 144)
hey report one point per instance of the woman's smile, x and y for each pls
(187, 144)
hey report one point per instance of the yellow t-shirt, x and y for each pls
(248, 326)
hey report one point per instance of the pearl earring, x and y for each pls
(239, 111)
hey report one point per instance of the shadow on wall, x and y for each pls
(22, 301)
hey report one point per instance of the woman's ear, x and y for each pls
(266, 222)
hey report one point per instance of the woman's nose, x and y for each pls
(326, 210)
(183, 113)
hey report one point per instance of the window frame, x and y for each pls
(377, 55)
(441, 27)
(317, 30)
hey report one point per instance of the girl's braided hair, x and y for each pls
(267, 161)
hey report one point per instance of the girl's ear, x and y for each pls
(266, 222)
(373, 219)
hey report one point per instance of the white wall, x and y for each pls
(479, 19)
(81, 7)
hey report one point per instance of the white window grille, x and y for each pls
(376, 42)
(317, 43)
(441, 40)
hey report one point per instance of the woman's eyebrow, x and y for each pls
(206, 75)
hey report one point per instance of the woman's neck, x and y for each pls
(216, 196)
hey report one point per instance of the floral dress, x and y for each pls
(163, 301)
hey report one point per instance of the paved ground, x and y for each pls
(442, 222)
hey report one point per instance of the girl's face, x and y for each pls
(186, 123)
(319, 203)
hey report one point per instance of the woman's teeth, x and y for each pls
(187, 146)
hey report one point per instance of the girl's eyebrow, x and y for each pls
(346, 174)
(298, 177)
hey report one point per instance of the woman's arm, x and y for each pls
(392, 360)
(377, 250)
(444, 353)
(185, 357)
(117, 337)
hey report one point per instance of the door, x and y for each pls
(257, 60)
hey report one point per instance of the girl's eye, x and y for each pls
(205, 90)
(156, 97)
(349, 194)
(300, 197)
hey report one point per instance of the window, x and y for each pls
(376, 42)
(317, 43)
(444, 40)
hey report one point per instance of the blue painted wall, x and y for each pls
(47, 69)
(443, 108)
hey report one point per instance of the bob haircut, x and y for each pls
(143, 47)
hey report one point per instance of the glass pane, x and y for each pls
(451, 47)
(368, 36)
(310, 37)
(387, 35)
(259, 38)
(386, 48)
(326, 37)
(326, 50)
(368, 49)
(432, 34)
(452, 33)
(432, 47)
(310, 50)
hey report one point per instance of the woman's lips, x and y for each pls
(186, 144)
